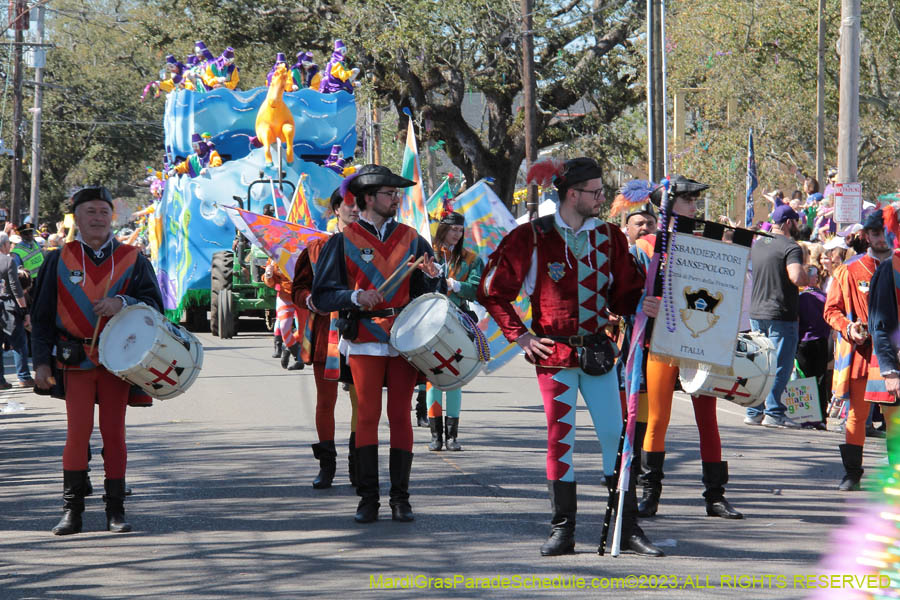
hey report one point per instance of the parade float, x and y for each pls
(224, 148)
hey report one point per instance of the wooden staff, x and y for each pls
(99, 318)
(394, 274)
(383, 287)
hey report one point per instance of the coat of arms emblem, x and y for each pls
(556, 270)
(700, 312)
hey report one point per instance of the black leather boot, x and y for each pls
(88, 487)
(115, 506)
(851, 456)
(715, 476)
(401, 463)
(278, 346)
(285, 357)
(73, 503)
(564, 505)
(297, 365)
(450, 433)
(633, 537)
(326, 454)
(640, 431)
(652, 479)
(367, 484)
(351, 458)
(437, 433)
(421, 410)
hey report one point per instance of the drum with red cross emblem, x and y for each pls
(142, 347)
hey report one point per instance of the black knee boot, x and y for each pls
(450, 433)
(351, 458)
(327, 457)
(715, 476)
(640, 431)
(851, 456)
(421, 410)
(88, 487)
(633, 537)
(278, 346)
(564, 506)
(297, 365)
(115, 506)
(367, 484)
(653, 475)
(401, 463)
(73, 503)
(437, 433)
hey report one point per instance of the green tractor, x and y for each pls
(236, 287)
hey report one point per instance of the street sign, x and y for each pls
(848, 202)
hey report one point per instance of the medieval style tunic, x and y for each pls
(574, 280)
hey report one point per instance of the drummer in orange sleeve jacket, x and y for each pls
(69, 299)
(576, 269)
(351, 266)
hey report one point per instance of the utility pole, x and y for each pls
(656, 120)
(820, 100)
(19, 18)
(848, 114)
(528, 90)
(37, 54)
(376, 135)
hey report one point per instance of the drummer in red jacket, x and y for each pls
(351, 266)
(576, 269)
(69, 299)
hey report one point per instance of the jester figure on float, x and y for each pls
(274, 121)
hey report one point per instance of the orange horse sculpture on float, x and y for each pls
(274, 121)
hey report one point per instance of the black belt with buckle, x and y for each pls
(577, 341)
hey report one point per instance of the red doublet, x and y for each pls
(561, 304)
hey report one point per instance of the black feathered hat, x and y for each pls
(679, 185)
(377, 176)
(452, 218)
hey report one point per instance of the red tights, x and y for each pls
(370, 374)
(83, 389)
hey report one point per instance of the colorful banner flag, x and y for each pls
(487, 221)
(280, 240)
(412, 207)
(752, 181)
(278, 200)
(435, 204)
(299, 211)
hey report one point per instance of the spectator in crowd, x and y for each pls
(831, 258)
(824, 225)
(778, 272)
(14, 316)
(812, 351)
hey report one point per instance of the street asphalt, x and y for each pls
(223, 505)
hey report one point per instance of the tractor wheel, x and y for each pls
(220, 280)
(227, 317)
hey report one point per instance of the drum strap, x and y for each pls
(387, 312)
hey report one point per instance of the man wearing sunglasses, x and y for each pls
(90, 279)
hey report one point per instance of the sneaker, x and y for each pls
(25, 383)
(872, 432)
(757, 420)
(780, 422)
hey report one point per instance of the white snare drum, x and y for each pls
(441, 341)
(144, 348)
(749, 380)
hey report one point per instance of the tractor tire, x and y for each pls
(228, 320)
(220, 280)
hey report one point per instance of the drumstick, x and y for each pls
(394, 274)
(97, 326)
(406, 273)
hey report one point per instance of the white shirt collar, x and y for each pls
(383, 226)
(96, 252)
(589, 223)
